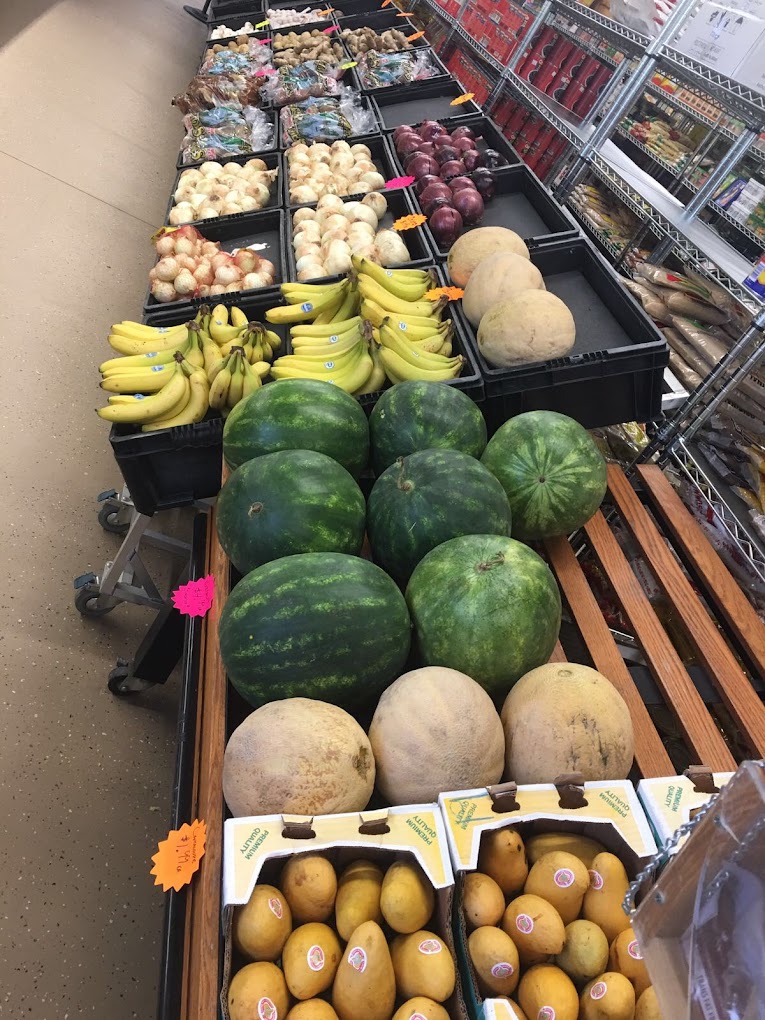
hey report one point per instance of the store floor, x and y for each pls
(88, 143)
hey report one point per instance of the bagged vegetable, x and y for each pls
(675, 281)
(314, 78)
(225, 131)
(380, 70)
(326, 119)
(684, 304)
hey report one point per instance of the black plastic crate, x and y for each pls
(299, 26)
(487, 135)
(441, 76)
(236, 21)
(272, 160)
(426, 101)
(614, 373)
(382, 157)
(266, 228)
(522, 203)
(380, 21)
(237, 157)
(220, 9)
(364, 103)
(353, 8)
(399, 204)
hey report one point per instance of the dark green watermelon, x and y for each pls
(486, 606)
(427, 498)
(552, 471)
(298, 414)
(418, 415)
(318, 625)
(293, 501)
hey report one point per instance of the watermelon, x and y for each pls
(426, 499)
(418, 415)
(552, 471)
(298, 414)
(487, 606)
(326, 626)
(293, 501)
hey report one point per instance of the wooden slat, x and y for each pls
(202, 962)
(680, 693)
(558, 655)
(650, 754)
(718, 582)
(725, 672)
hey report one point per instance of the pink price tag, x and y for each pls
(332, 28)
(196, 597)
(399, 182)
(264, 71)
(264, 42)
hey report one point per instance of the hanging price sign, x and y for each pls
(465, 98)
(399, 182)
(452, 293)
(178, 856)
(417, 35)
(196, 597)
(409, 222)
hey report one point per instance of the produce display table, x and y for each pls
(722, 628)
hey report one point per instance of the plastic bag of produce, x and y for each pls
(225, 131)
(380, 70)
(326, 119)
(312, 79)
(206, 91)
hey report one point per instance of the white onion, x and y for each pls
(197, 200)
(204, 274)
(210, 168)
(362, 187)
(306, 261)
(210, 248)
(167, 269)
(306, 249)
(329, 202)
(268, 269)
(254, 281)
(226, 275)
(314, 272)
(365, 165)
(182, 213)
(185, 283)
(231, 209)
(234, 288)
(204, 187)
(191, 176)
(256, 164)
(183, 192)
(338, 258)
(362, 151)
(165, 245)
(233, 168)
(260, 193)
(217, 289)
(303, 214)
(391, 248)
(163, 291)
(248, 203)
(365, 215)
(373, 178)
(377, 203)
(207, 212)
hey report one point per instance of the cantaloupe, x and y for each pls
(300, 757)
(535, 325)
(498, 278)
(562, 718)
(476, 245)
(422, 741)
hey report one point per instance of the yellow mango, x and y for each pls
(310, 884)
(626, 958)
(482, 900)
(495, 959)
(259, 989)
(603, 900)
(585, 954)
(609, 997)
(310, 959)
(583, 847)
(647, 1006)
(536, 928)
(358, 897)
(545, 992)
(502, 856)
(406, 898)
(312, 1009)
(422, 1009)
(262, 926)
(423, 966)
(365, 985)
(562, 880)
(515, 1011)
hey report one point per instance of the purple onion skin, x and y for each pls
(469, 205)
(446, 225)
(431, 130)
(431, 193)
(423, 182)
(422, 165)
(493, 159)
(472, 160)
(463, 144)
(403, 129)
(428, 148)
(454, 168)
(409, 144)
(446, 153)
(484, 183)
(463, 132)
(406, 160)
(457, 183)
(440, 202)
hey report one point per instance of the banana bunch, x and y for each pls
(319, 303)
(234, 378)
(182, 399)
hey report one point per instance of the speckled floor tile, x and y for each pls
(88, 143)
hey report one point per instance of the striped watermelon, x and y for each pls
(487, 606)
(293, 501)
(552, 471)
(326, 626)
(418, 415)
(426, 499)
(298, 414)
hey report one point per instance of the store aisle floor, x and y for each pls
(88, 143)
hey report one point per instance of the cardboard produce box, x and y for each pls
(256, 849)
(608, 812)
(674, 800)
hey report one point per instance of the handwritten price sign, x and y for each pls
(196, 597)
(464, 98)
(452, 293)
(399, 182)
(178, 856)
(409, 222)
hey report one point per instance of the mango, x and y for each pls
(406, 898)
(609, 997)
(515, 1010)
(603, 900)
(421, 1009)
(310, 959)
(262, 926)
(312, 1009)
(536, 928)
(423, 965)
(482, 900)
(626, 958)
(259, 989)
(647, 1006)
(502, 857)
(358, 897)
(495, 959)
(583, 847)
(562, 880)
(546, 993)
(310, 884)
(365, 985)
(585, 954)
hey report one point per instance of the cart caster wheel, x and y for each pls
(122, 684)
(86, 602)
(109, 520)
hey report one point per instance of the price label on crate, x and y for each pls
(405, 14)
(178, 856)
(325, 13)
(399, 182)
(332, 28)
(264, 42)
(263, 71)
(196, 597)
(409, 222)
(464, 98)
(387, 3)
(263, 24)
(452, 293)
(346, 67)
(417, 35)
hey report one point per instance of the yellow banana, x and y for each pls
(412, 333)
(251, 380)
(237, 317)
(273, 339)
(370, 290)
(124, 345)
(235, 341)
(261, 368)
(317, 343)
(142, 410)
(325, 329)
(376, 271)
(210, 350)
(220, 330)
(304, 312)
(377, 377)
(195, 355)
(376, 314)
(322, 361)
(415, 356)
(298, 293)
(313, 356)
(351, 378)
(389, 280)
(399, 370)
(236, 385)
(219, 386)
(137, 331)
(195, 408)
(346, 306)
(132, 361)
(140, 380)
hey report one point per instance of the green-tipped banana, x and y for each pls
(144, 409)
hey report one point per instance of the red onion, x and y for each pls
(406, 160)
(469, 205)
(431, 193)
(403, 129)
(485, 183)
(438, 203)
(409, 143)
(472, 160)
(400, 139)
(422, 165)
(463, 144)
(493, 159)
(446, 224)
(444, 153)
(454, 168)
(428, 148)
(457, 183)
(423, 182)
(431, 129)
(463, 132)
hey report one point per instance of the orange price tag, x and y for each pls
(465, 98)
(453, 293)
(324, 13)
(417, 35)
(409, 222)
(404, 14)
(387, 3)
(178, 856)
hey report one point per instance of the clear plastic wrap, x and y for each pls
(312, 79)
(326, 119)
(206, 91)
(284, 16)
(381, 70)
(225, 131)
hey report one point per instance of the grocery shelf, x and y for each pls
(561, 119)
(725, 215)
(732, 96)
(586, 45)
(620, 35)
(669, 167)
(671, 98)
(598, 235)
(478, 49)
